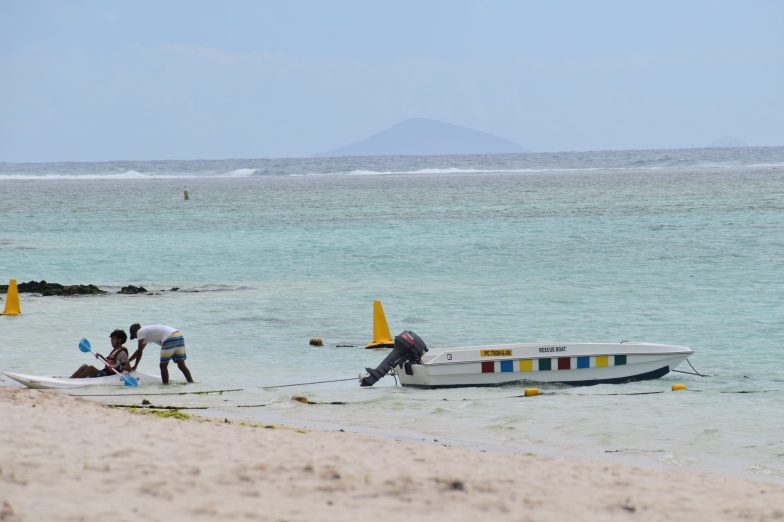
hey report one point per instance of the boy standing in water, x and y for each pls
(172, 347)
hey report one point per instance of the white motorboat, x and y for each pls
(568, 363)
(47, 382)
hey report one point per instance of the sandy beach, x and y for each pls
(66, 458)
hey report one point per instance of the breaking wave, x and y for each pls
(517, 164)
(241, 173)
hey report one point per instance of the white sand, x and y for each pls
(63, 458)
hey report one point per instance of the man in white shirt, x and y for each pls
(172, 347)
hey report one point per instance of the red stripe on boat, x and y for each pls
(488, 367)
(564, 363)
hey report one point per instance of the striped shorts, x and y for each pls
(173, 348)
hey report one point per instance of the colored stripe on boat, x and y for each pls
(547, 364)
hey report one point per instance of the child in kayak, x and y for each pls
(117, 359)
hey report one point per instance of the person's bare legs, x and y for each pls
(78, 373)
(165, 372)
(84, 370)
(185, 371)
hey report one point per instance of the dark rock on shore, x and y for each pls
(44, 288)
(130, 289)
(47, 289)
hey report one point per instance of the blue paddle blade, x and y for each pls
(130, 381)
(84, 345)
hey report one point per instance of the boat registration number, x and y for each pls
(495, 353)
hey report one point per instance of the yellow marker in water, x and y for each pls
(677, 387)
(12, 306)
(531, 392)
(381, 336)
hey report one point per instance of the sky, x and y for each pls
(181, 79)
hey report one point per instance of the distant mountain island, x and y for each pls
(424, 137)
(728, 141)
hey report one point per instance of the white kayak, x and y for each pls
(47, 382)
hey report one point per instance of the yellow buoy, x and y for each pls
(317, 341)
(381, 336)
(531, 392)
(676, 387)
(12, 306)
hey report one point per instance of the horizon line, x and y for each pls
(326, 157)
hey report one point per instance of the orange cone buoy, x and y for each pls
(12, 306)
(381, 336)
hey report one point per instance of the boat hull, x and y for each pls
(47, 382)
(567, 363)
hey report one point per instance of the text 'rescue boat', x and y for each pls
(568, 363)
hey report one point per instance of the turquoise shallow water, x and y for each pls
(681, 247)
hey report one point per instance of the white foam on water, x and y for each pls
(454, 170)
(242, 173)
(128, 174)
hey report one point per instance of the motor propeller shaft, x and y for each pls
(409, 347)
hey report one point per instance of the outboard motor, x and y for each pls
(408, 348)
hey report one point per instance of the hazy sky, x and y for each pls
(104, 80)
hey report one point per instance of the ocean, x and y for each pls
(670, 246)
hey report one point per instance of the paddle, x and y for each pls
(84, 346)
